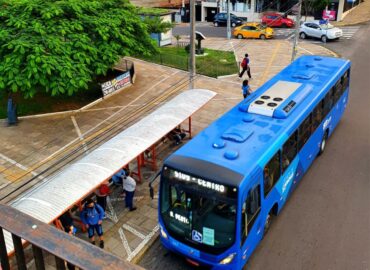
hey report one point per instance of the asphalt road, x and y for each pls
(209, 30)
(326, 222)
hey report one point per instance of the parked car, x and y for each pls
(221, 19)
(253, 30)
(277, 20)
(316, 29)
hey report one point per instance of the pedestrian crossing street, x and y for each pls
(288, 33)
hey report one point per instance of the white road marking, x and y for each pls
(305, 50)
(112, 215)
(143, 243)
(79, 133)
(24, 168)
(124, 242)
(133, 231)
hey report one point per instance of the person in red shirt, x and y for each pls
(101, 195)
(245, 67)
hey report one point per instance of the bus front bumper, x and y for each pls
(193, 256)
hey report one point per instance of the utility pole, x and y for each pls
(297, 25)
(192, 45)
(228, 19)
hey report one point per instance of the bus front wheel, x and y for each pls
(323, 143)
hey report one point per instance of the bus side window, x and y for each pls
(317, 116)
(289, 151)
(337, 89)
(345, 80)
(250, 210)
(328, 102)
(271, 173)
(304, 132)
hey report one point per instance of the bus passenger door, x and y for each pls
(251, 221)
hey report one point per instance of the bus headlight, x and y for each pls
(228, 259)
(163, 233)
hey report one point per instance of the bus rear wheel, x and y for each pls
(268, 222)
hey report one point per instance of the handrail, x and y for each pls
(45, 237)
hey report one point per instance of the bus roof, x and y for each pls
(246, 137)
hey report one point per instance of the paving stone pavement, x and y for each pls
(25, 146)
(357, 15)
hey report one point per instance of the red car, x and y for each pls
(277, 20)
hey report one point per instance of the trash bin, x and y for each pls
(12, 112)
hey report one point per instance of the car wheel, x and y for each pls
(302, 35)
(324, 38)
(239, 36)
(284, 25)
(233, 24)
(262, 37)
(215, 24)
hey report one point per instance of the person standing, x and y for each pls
(129, 186)
(117, 178)
(245, 66)
(92, 216)
(65, 222)
(101, 195)
(246, 88)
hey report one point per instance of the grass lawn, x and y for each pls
(214, 63)
(44, 103)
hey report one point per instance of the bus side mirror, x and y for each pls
(151, 192)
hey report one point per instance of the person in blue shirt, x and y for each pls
(246, 88)
(92, 216)
(117, 178)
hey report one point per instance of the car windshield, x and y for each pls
(326, 26)
(260, 26)
(197, 213)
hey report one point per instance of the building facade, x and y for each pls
(253, 9)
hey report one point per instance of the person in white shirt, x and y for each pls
(129, 186)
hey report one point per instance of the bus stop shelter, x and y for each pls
(47, 201)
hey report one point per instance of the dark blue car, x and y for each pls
(220, 19)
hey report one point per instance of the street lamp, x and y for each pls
(192, 45)
(228, 19)
(297, 25)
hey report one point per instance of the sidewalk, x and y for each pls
(359, 14)
(128, 234)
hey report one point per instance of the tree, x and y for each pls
(156, 24)
(61, 46)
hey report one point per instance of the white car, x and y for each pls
(321, 31)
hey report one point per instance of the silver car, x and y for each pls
(317, 30)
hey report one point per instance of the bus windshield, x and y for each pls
(198, 215)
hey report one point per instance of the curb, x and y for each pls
(142, 252)
(352, 23)
(226, 76)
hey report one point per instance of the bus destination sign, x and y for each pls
(200, 182)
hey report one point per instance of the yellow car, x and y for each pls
(253, 30)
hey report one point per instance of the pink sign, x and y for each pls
(329, 15)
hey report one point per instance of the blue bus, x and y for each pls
(219, 192)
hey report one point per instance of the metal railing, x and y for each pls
(45, 238)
